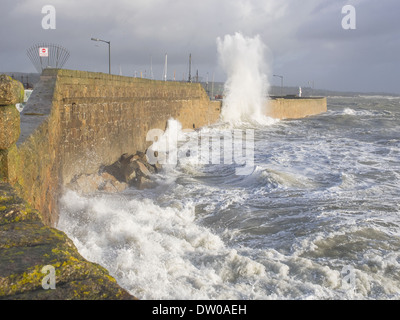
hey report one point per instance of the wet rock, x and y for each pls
(129, 170)
(143, 170)
(120, 169)
(85, 184)
(134, 170)
(144, 183)
(111, 184)
(132, 176)
(91, 183)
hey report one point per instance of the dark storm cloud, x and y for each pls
(361, 59)
(305, 38)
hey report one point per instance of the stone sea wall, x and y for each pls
(295, 108)
(11, 93)
(29, 249)
(75, 122)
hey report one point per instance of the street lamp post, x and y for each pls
(109, 52)
(275, 75)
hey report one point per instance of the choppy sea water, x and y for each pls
(318, 217)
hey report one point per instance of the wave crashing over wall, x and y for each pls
(247, 85)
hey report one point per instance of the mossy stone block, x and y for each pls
(11, 91)
(9, 126)
(27, 246)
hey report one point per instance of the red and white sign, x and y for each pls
(43, 52)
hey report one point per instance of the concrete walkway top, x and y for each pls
(38, 107)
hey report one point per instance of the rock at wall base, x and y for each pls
(143, 183)
(134, 170)
(91, 183)
(128, 171)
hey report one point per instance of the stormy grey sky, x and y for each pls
(305, 39)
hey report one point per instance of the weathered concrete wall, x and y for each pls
(294, 108)
(103, 116)
(76, 121)
(11, 93)
(26, 244)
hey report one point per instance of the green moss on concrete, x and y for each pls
(27, 245)
(9, 126)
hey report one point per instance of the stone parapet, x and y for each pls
(9, 126)
(11, 93)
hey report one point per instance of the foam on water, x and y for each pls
(322, 198)
(349, 111)
(163, 253)
(156, 252)
(313, 206)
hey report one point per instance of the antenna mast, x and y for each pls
(165, 68)
(190, 67)
(212, 87)
(151, 67)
